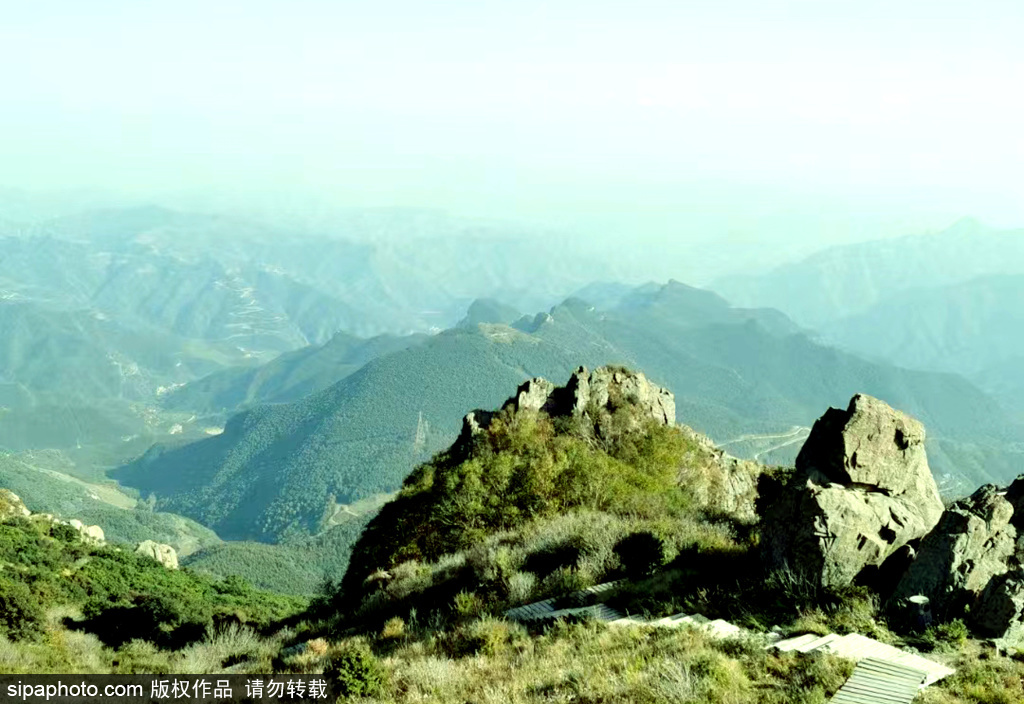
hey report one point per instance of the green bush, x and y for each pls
(953, 633)
(356, 672)
(21, 613)
(641, 554)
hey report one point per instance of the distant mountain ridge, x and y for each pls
(848, 280)
(974, 328)
(107, 312)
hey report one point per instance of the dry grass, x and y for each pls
(491, 660)
(982, 677)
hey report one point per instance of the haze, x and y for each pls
(784, 124)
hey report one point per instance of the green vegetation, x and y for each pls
(43, 482)
(288, 464)
(356, 671)
(286, 378)
(298, 567)
(527, 472)
(108, 591)
(531, 507)
(488, 660)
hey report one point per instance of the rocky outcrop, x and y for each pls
(586, 394)
(973, 542)
(999, 611)
(11, 506)
(719, 482)
(862, 490)
(89, 534)
(164, 554)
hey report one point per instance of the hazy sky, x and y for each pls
(663, 116)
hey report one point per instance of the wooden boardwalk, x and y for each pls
(877, 681)
(581, 603)
(884, 674)
(857, 647)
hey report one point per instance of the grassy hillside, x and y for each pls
(46, 489)
(69, 605)
(302, 566)
(536, 504)
(277, 470)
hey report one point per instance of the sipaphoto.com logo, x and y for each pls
(75, 690)
(155, 689)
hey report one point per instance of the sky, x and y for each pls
(780, 123)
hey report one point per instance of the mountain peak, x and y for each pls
(488, 310)
(586, 394)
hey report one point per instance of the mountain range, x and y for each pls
(839, 282)
(221, 380)
(740, 375)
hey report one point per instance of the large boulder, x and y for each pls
(999, 611)
(973, 542)
(164, 554)
(862, 491)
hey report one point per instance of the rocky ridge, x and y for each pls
(729, 485)
(586, 394)
(11, 506)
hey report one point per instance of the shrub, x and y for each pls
(954, 633)
(563, 581)
(393, 629)
(486, 636)
(356, 672)
(521, 586)
(467, 604)
(641, 554)
(21, 614)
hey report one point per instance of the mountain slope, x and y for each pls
(280, 470)
(288, 377)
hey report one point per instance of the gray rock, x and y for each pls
(89, 534)
(533, 395)
(999, 611)
(973, 542)
(719, 481)
(862, 490)
(164, 554)
(602, 391)
(873, 446)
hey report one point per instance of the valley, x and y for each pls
(247, 424)
(241, 399)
